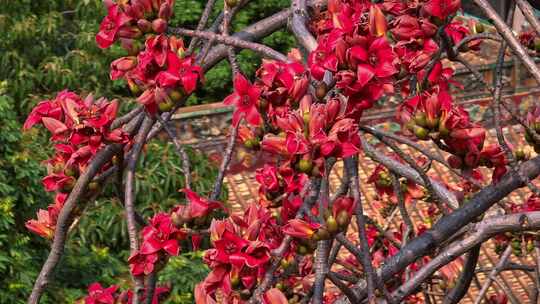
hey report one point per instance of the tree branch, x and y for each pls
(450, 224)
(483, 231)
(512, 41)
(65, 218)
(352, 167)
(129, 200)
(225, 163)
(494, 272)
(528, 12)
(186, 164)
(409, 173)
(298, 25)
(464, 281)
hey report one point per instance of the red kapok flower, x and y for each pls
(300, 229)
(245, 98)
(442, 8)
(267, 177)
(110, 26)
(199, 206)
(99, 295)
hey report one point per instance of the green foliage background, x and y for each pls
(48, 46)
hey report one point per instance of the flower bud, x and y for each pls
(432, 123)
(93, 186)
(133, 47)
(443, 130)
(129, 32)
(305, 165)
(322, 234)
(251, 143)
(479, 27)
(134, 88)
(421, 133)
(321, 90)
(144, 25)
(71, 171)
(176, 95)
(68, 186)
(177, 219)
(235, 281)
(159, 25)
(285, 263)
(420, 119)
(302, 250)
(125, 64)
(343, 219)
(58, 167)
(165, 11)
(165, 106)
(231, 3)
(331, 224)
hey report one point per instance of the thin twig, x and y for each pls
(344, 288)
(352, 167)
(202, 23)
(409, 173)
(403, 210)
(186, 164)
(232, 41)
(225, 163)
(464, 281)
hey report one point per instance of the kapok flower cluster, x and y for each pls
(79, 128)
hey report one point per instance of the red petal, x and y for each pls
(150, 246)
(359, 52)
(364, 74)
(241, 84)
(53, 125)
(172, 248)
(274, 296)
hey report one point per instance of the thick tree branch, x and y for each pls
(450, 224)
(298, 25)
(483, 231)
(129, 199)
